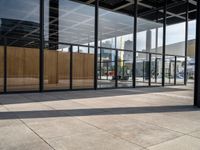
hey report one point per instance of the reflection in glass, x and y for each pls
(142, 69)
(125, 63)
(21, 27)
(68, 21)
(169, 70)
(180, 70)
(156, 69)
(106, 68)
(115, 30)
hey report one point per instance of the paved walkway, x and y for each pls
(121, 119)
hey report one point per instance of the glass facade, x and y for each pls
(94, 44)
(20, 26)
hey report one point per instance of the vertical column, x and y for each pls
(134, 43)
(148, 57)
(71, 65)
(149, 69)
(175, 64)
(164, 44)
(197, 60)
(186, 42)
(41, 45)
(96, 42)
(5, 64)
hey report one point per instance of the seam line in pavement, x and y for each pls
(31, 129)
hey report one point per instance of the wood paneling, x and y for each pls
(56, 69)
(83, 70)
(22, 69)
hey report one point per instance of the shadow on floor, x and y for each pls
(95, 111)
(70, 95)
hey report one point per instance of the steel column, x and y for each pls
(149, 69)
(186, 41)
(71, 65)
(41, 45)
(197, 60)
(134, 43)
(175, 63)
(116, 68)
(96, 42)
(5, 65)
(164, 43)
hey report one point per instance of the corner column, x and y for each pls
(197, 60)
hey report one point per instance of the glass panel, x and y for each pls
(68, 21)
(82, 70)
(191, 51)
(169, 70)
(106, 68)
(175, 30)
(125, 63)
(20, 25)
(142, 69)
(180, 69)
(150, 29)
(57, 67)
(156, 69)
(115, 30)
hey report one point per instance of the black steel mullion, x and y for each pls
(156, 71)
(186, 41)
(197, 60)
(164, 43)
(143, 71)
(150, 69)
(71, 66)
(5, 65)
(175, 63)
(116, 68)
(41, 45)
(170, 69)
(96, 42)
(134, 43)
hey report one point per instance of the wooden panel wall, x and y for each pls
(22, 68)
(83, 70)
(56, 69)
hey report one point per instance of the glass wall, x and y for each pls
(142, 69)
(170, 70)
(72, 24)
(82, 68)
(106, 68)
(149, 47)
(180, 66)
(20, 25)
(69, 44)
(115, 56)
(156, 69)
(57, 67)
(191, 51)
(124, 69)
(175, 39)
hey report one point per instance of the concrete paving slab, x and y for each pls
(181, 143)
(95, 141)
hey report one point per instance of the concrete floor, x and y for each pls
(121, 119)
